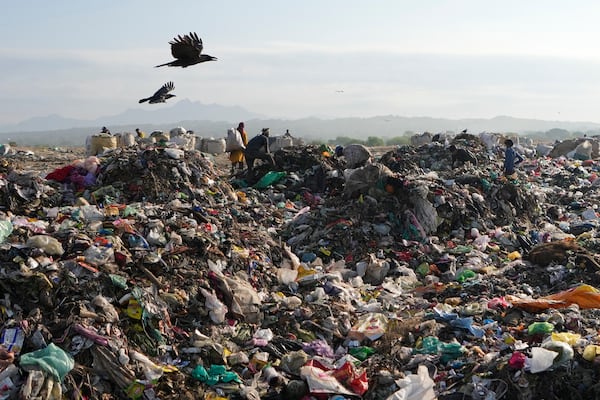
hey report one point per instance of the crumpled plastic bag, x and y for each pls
(322, 381)
(216, 309)
(241, 298)
(417, 386)
(362, 179)
(51, 359)
(49, 244)
(214, 375)
(424, 210)
(371, 326)
(269, 179)
(376, 270)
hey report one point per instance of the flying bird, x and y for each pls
(187, 50)
(161, 94)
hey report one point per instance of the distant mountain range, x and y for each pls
(212, 120)
(180, 111)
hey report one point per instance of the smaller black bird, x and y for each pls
(161, 94)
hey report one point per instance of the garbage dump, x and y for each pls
(150, 273)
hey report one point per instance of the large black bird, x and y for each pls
(188, 51)
(161, 94)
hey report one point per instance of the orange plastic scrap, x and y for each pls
(585, 296)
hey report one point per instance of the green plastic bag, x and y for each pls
(269, 178)
(51, 359)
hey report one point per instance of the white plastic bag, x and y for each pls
(216, 309)
(234, 140)
(415, 387)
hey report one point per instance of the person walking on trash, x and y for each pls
(258, 148)
(237, 156)
(511, 158)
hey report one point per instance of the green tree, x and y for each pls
(397, 140)
(557, 133)
(344, 140)
(373, 141)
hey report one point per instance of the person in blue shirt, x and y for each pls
(511, 158)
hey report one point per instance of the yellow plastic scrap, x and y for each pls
(591, 351)
(567, 337)
(325, 251)
(134, 309)
(304, 271)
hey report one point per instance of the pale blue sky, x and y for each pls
(451, 59)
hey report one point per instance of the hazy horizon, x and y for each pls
(334, 59)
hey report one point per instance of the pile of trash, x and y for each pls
(423, 273)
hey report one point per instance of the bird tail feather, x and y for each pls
(144, 100)
(162, 65)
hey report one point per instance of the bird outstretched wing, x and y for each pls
(187, 47)
(161, 95)
(166, 88)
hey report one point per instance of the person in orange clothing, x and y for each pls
(237, 156)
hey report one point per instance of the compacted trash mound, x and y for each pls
(149, 273)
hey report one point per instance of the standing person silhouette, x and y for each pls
(511, 158)
(237, 156)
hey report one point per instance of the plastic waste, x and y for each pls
(465, 275)
(585, 296)
(12, 339)
(47, 243)
(517, 360)
(567, 337)
(152, 372)
(51, 359)
(541, 359)
(362, 352)
(591, 351)
(564, 351)
(8, 377)
(217, 309)
(497, 303)
(6, 229)
(99, 255)
(109, 312)
(537, 328)
(417, 386)
(320, 380)
(372, 326)
(269, 179)
(214, 375)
